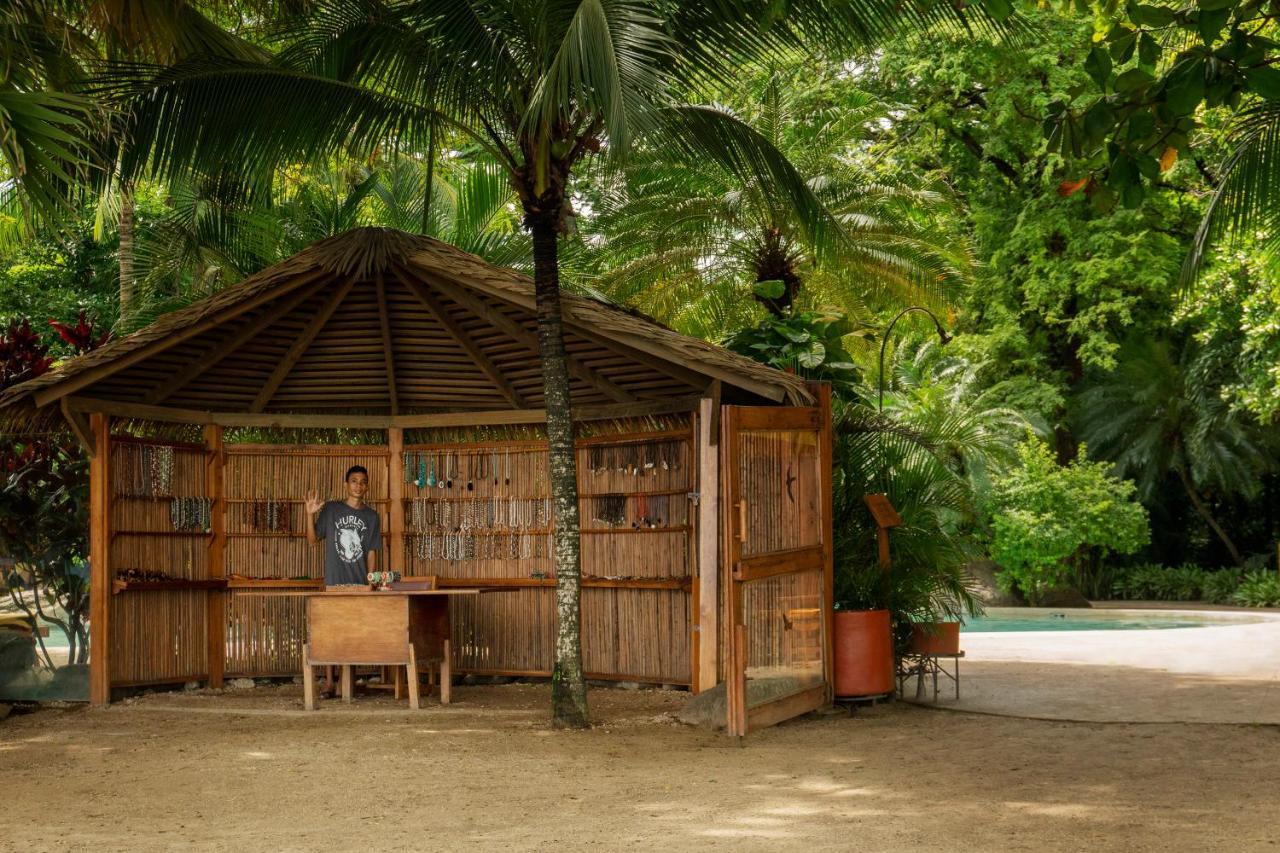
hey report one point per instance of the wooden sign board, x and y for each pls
(882, 511)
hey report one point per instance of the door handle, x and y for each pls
(742, 521)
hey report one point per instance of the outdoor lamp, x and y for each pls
(943, 335)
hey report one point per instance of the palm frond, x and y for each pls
(1246, 203)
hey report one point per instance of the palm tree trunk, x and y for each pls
(568, 686)
(1208, 516)
(128, 283)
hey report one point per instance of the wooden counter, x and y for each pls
(401, 627)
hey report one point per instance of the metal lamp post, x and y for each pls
(943, 334)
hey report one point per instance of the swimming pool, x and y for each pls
(1000, 619)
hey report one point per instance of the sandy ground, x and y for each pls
(248, 771)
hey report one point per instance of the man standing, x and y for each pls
(351, 530)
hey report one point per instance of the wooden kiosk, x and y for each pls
(704, 478)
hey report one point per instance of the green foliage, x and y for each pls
(931, 453)
(50, 277)
(807, 343)
(1258, 589)
(1044, 514)
(1155, 75)
(1188, 582)
(1220, 586)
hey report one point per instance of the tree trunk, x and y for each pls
(128, 284)
(568, 686)
(1208, 516)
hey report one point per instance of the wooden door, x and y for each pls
(776, 469)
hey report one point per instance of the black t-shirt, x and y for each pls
(349, 535)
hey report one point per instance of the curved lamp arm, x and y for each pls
(943, 334)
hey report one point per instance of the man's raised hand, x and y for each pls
(313, 502)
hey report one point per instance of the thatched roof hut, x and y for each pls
(704, 478)
(412, 326)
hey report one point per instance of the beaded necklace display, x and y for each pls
(146, 470)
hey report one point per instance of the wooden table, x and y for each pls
(361, 627)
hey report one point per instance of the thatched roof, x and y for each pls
(380, 322)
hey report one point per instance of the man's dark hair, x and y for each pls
(355, 469)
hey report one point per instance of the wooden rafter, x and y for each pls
(384, 321)
(209, 358)
(299, 347)
(635, 340)
(75, 383)
(668, 368)
(519, 333)
(465, 341)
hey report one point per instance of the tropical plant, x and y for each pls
(807, 343)
(931, 452)
(1044, 514)
(1220, 586)
(44, 501)
(1258, 589)
(540, 88)
(675, 234)
(928, 581)
(1160, 413)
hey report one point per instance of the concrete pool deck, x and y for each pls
(1217, 674)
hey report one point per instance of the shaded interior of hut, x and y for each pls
(458, 505)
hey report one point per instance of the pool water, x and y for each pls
(1022, 619)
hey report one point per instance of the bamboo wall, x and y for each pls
(159, 631)
(636, 570)
(637, 545)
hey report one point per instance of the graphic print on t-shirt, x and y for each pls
(348, 543)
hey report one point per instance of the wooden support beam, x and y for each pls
(707, 610)
(99, 565)
(465, 341)
(300, 345)
(79, 426)
(216, 599)
(826, 475)
(84, 378)
(213, 356)
(528, 339)
(164, 414)
(395, 491)
(384, 322)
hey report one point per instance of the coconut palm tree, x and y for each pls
(540, 86)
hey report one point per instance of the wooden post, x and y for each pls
(99, 561)
(395, 491)
(706, 672)
(826, 461)
(215, 461)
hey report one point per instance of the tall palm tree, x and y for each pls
(541, 86)
(1161, 413)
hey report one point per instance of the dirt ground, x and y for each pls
(247, 771)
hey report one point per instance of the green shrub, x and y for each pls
(1220, 586)
(1140, 582)
(1259, 589)
(1044, 514)
(1183, 583)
